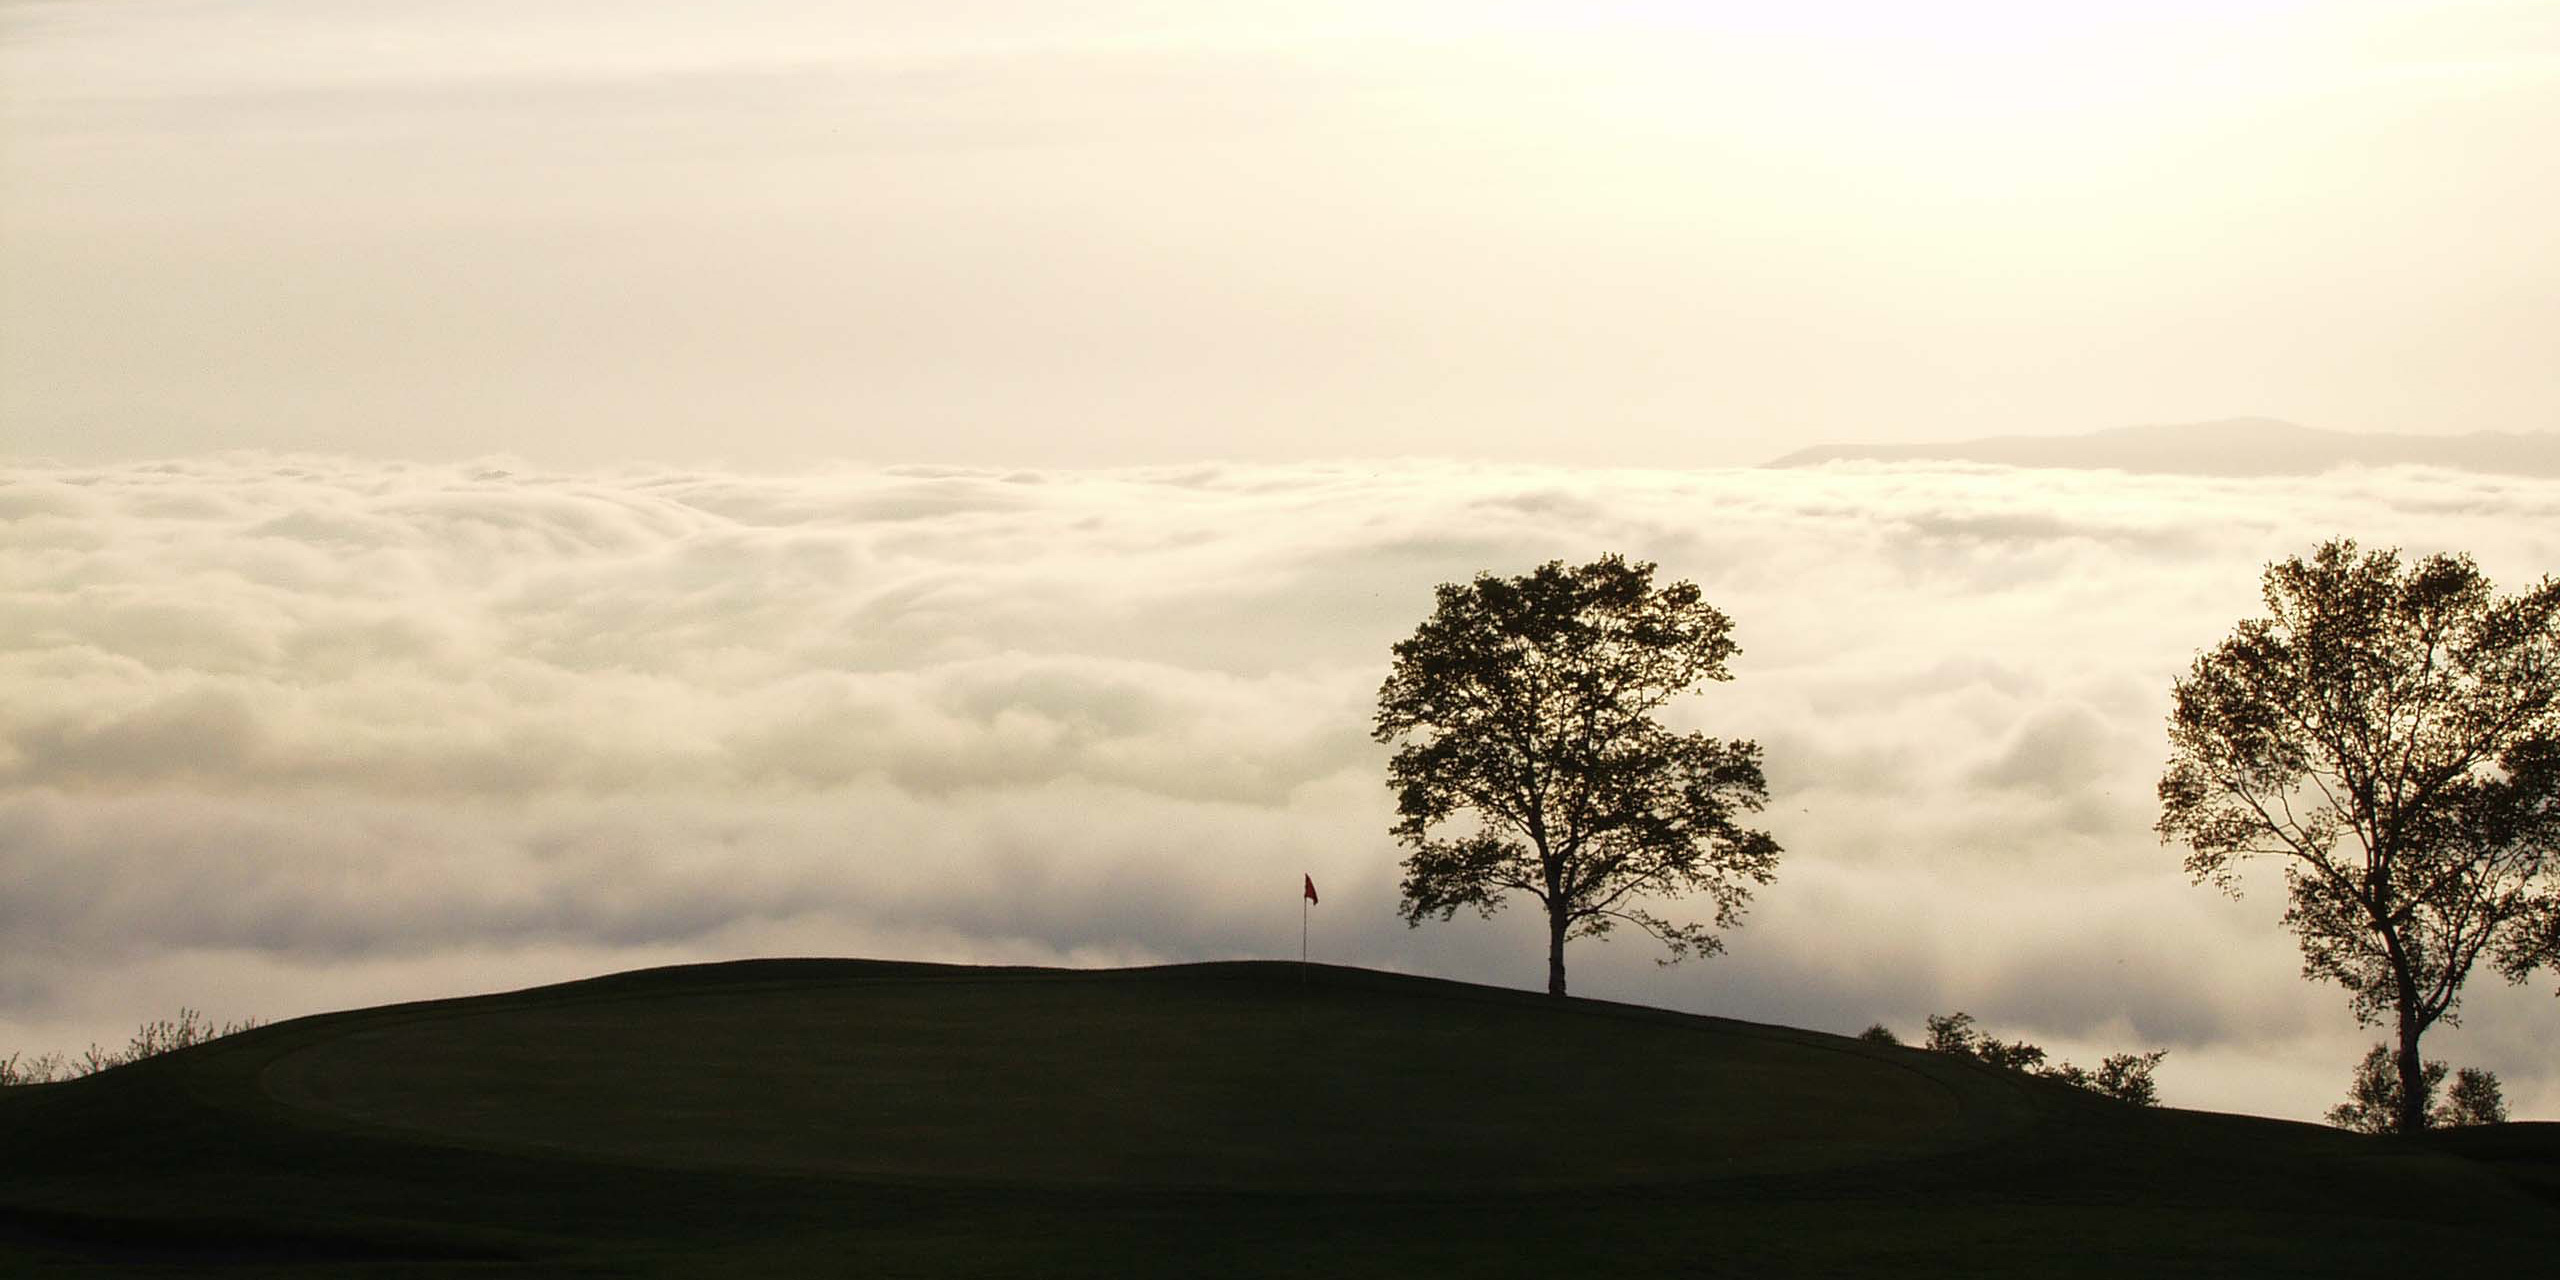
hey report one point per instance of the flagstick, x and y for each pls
(1302, 940)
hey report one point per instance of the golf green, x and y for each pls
(1101, 1080)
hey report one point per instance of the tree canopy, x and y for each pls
(2390, 735)
(1530, 760)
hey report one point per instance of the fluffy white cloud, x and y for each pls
(280, 734)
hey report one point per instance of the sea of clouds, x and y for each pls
(283, 734)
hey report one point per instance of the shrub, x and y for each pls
(41, 1069)
(2474, 1099)
(2015, 1055)
(2125, 1077)
(150, 1040)
(1951, 1033)
(2373, 1096)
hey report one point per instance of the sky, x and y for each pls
(499, 493)
(1129, 232)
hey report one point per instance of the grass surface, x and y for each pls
(860, 1118)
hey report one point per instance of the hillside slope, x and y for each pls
(804, 1117)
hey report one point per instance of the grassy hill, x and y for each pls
(821, 1117)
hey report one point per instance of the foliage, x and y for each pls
(150, 1040)
(1951, 1033)
(2392, 738)
(1879, 1033)
(1529, 703)
(44, 1068)
(2373, 1102)
(2125, 1077)
(2014, 1055)
(2475, 1098)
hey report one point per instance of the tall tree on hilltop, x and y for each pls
(2393, 739)
(1528, 704)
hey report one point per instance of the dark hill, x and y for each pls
(855, 1117)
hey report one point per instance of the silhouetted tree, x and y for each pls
(1879, 1033)
(2374, 1099)
(2394, 739)
(1528, 703)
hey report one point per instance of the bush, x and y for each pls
(150, 1040)
(2125, 1077)
(1879, 1033)
(42, 1069)
(1951, 1033)
(2373, 1096)
(2016, 1055)
(2474, 1099)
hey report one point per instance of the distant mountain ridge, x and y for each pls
(2227, 447)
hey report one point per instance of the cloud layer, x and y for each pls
(286, 733)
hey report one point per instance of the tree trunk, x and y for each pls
(2413, 1077)
(1555, 951)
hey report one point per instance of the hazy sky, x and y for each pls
(1030, 233)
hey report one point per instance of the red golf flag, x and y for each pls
(1311, 890)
